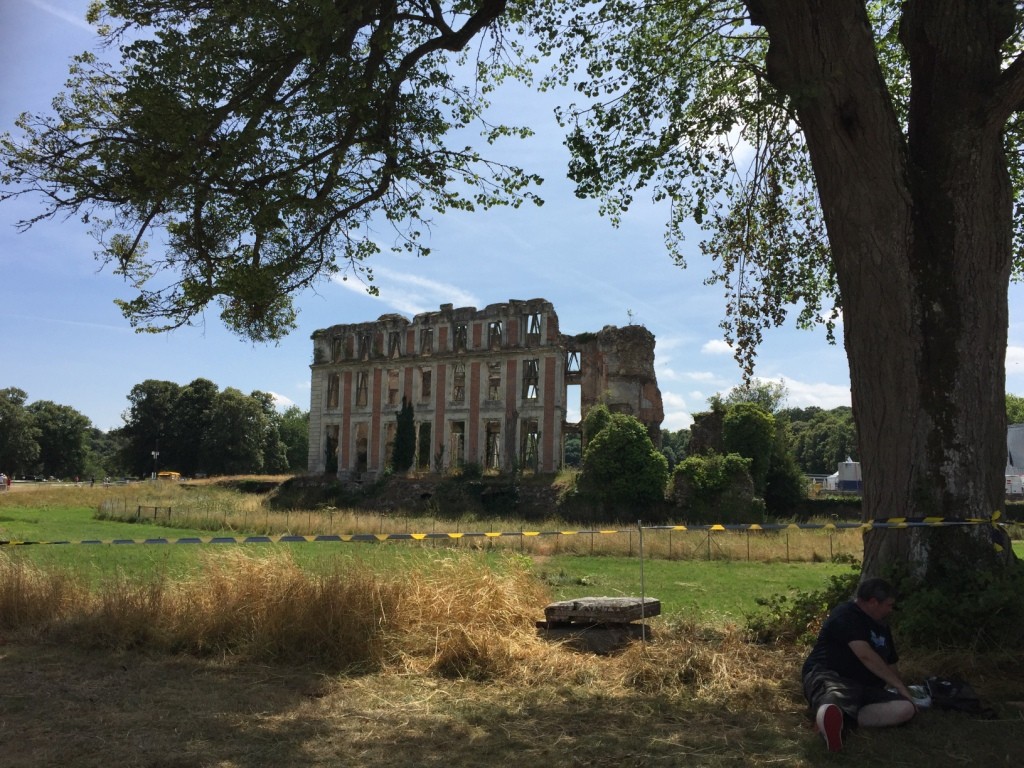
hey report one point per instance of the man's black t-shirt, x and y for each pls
(846, 623)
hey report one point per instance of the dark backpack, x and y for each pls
(956, 695)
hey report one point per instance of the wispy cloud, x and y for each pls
(59, 13)
(411, 294)
(62, 321)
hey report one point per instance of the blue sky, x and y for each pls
(64, 340)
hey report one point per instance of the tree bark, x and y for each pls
(919, 223)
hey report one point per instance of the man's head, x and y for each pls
(876, 597)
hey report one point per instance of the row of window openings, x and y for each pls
(460, 339)
(529, 452)
(531, 388)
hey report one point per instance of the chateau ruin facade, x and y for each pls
(489, 387)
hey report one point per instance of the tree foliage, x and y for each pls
(769, 396)
(261, 142)
(199, 429)
(785, 485)
(48, 439)
(19, 435)
(675, 445)
(621, 466)
(293, 426)
(683, 100)
(1014, 409)
(63, 439)
(822, 439)
(750, 431)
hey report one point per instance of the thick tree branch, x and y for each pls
(1009, 93)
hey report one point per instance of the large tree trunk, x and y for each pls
(919, 223)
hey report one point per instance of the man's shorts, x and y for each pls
(823, 686)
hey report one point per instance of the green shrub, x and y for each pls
(798, 617)
(716, 488)
(621, 466)
(976, 609)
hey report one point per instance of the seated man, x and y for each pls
(853, 663)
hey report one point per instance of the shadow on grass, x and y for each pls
(71, 707)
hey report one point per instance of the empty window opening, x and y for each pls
(531, 377)
(423, 446)
(461, 338)
(494, 381)
(458, 443)
(364, 346)
(393, 387)
(533, 328)
(362, 445)
(331, 449)
(390, 430)
(573, 403)
(493, 454)
(459, 383)
(361, 387)
(529, 444)
(333, 388)
(426, 383)
(336, 349)
(395, 344)
(572, 361)
(494, 334)
(426, 341)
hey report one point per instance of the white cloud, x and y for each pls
(410, 294)
(667, 374)
(803, 394)
(716, 347)
(677, 415)
(281, 402)
(700, 376)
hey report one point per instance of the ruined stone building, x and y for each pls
(489, 387)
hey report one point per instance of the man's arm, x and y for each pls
(870, 659)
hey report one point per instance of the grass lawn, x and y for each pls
(717, 592)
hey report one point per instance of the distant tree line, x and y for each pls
(198, 429)
(195, 429)
(46, 439)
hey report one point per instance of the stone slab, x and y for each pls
(609, 610)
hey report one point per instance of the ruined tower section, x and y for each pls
(615, 366)
(487, 387)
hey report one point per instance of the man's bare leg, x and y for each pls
(885, 713)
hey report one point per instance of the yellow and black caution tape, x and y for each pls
(890, 522)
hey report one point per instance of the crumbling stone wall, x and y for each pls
(617, 369)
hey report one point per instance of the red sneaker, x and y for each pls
(830, 726)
